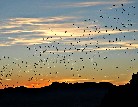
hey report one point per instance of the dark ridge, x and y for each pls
(88, 94)
(122, 96)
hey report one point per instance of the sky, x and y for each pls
(45, 41)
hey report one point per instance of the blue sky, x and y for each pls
(102, 33)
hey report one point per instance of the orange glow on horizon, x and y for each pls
(40, 85)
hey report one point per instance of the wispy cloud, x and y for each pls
(28, 31)
(20, 22)
(87, 4)
(72, 80)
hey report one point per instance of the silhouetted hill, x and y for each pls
(56, 95)
(89, 94)
(126, 95)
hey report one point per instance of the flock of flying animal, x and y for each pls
(67, 55)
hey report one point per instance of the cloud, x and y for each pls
(20, 21)
(25, 22)
(29, 31)
(106, 80)
(72, 80)
(87, 4)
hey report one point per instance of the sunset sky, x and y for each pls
(43, 41)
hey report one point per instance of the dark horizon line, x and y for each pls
(131, 82)
(65, 83)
